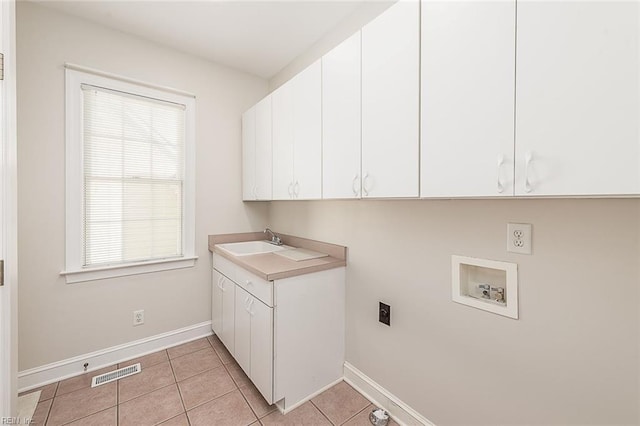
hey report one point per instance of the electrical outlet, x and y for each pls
(384, 314)
(519, 238)
(138, 317)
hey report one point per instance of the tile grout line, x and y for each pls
(145, 393)
(178, 388)
(247, 401)
(358, 413)
(321, 412)
(210, 400)
(89, 415)
(46, 418)
(188, 353)
(237, 386)
(118, 400)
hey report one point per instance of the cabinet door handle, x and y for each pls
(353, 185)
(220, 286)
(528, 158)
(296, 189)
(255, 191)
(248, 307)
(290, 190)
(500, 163)
(365, 179)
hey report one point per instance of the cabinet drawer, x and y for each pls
(225, 267)
(255, 285)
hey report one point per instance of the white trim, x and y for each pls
(8, 216)
(308, 398)
(50, 373)
(94, 71)
(128, 269)
(400, 412)
(75, 76)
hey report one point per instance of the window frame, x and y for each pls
(75, 272)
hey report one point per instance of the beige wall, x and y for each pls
(56, 320)
(571, 358)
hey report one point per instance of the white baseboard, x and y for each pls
(400, 412)
(50, 373)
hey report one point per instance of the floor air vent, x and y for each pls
(115, 375)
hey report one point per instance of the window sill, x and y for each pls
(82, 275)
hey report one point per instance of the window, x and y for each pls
(130, 176)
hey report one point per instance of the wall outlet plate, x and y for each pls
(138, 317)
(384, 314)
(519, 238)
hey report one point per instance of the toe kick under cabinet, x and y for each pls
(286, 334)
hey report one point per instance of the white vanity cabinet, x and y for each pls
(254, 340)
(288, 334)
(223, 307)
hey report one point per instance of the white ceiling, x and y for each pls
(259, 37)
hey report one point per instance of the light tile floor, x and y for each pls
(197, 383)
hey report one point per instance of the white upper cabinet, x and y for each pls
(307, 133)
(249, 154)
(263, 150)
(297, 141)
(282, 113)
(468, 79)
(390, 102)
(577, 98)
(341, 122)
(256, 151)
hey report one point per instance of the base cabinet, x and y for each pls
(282, 337)
(223, 309)
(254, 341)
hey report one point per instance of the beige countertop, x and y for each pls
(270, 266)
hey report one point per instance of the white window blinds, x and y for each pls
(133, 153)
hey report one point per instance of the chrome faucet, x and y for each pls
(274, 238)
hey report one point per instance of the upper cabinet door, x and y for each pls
(249, 154)
(390, 102)
(577, 98)
(341, 121)
(282, 113)
(263, 150)
(307, 133)
(468, 85)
